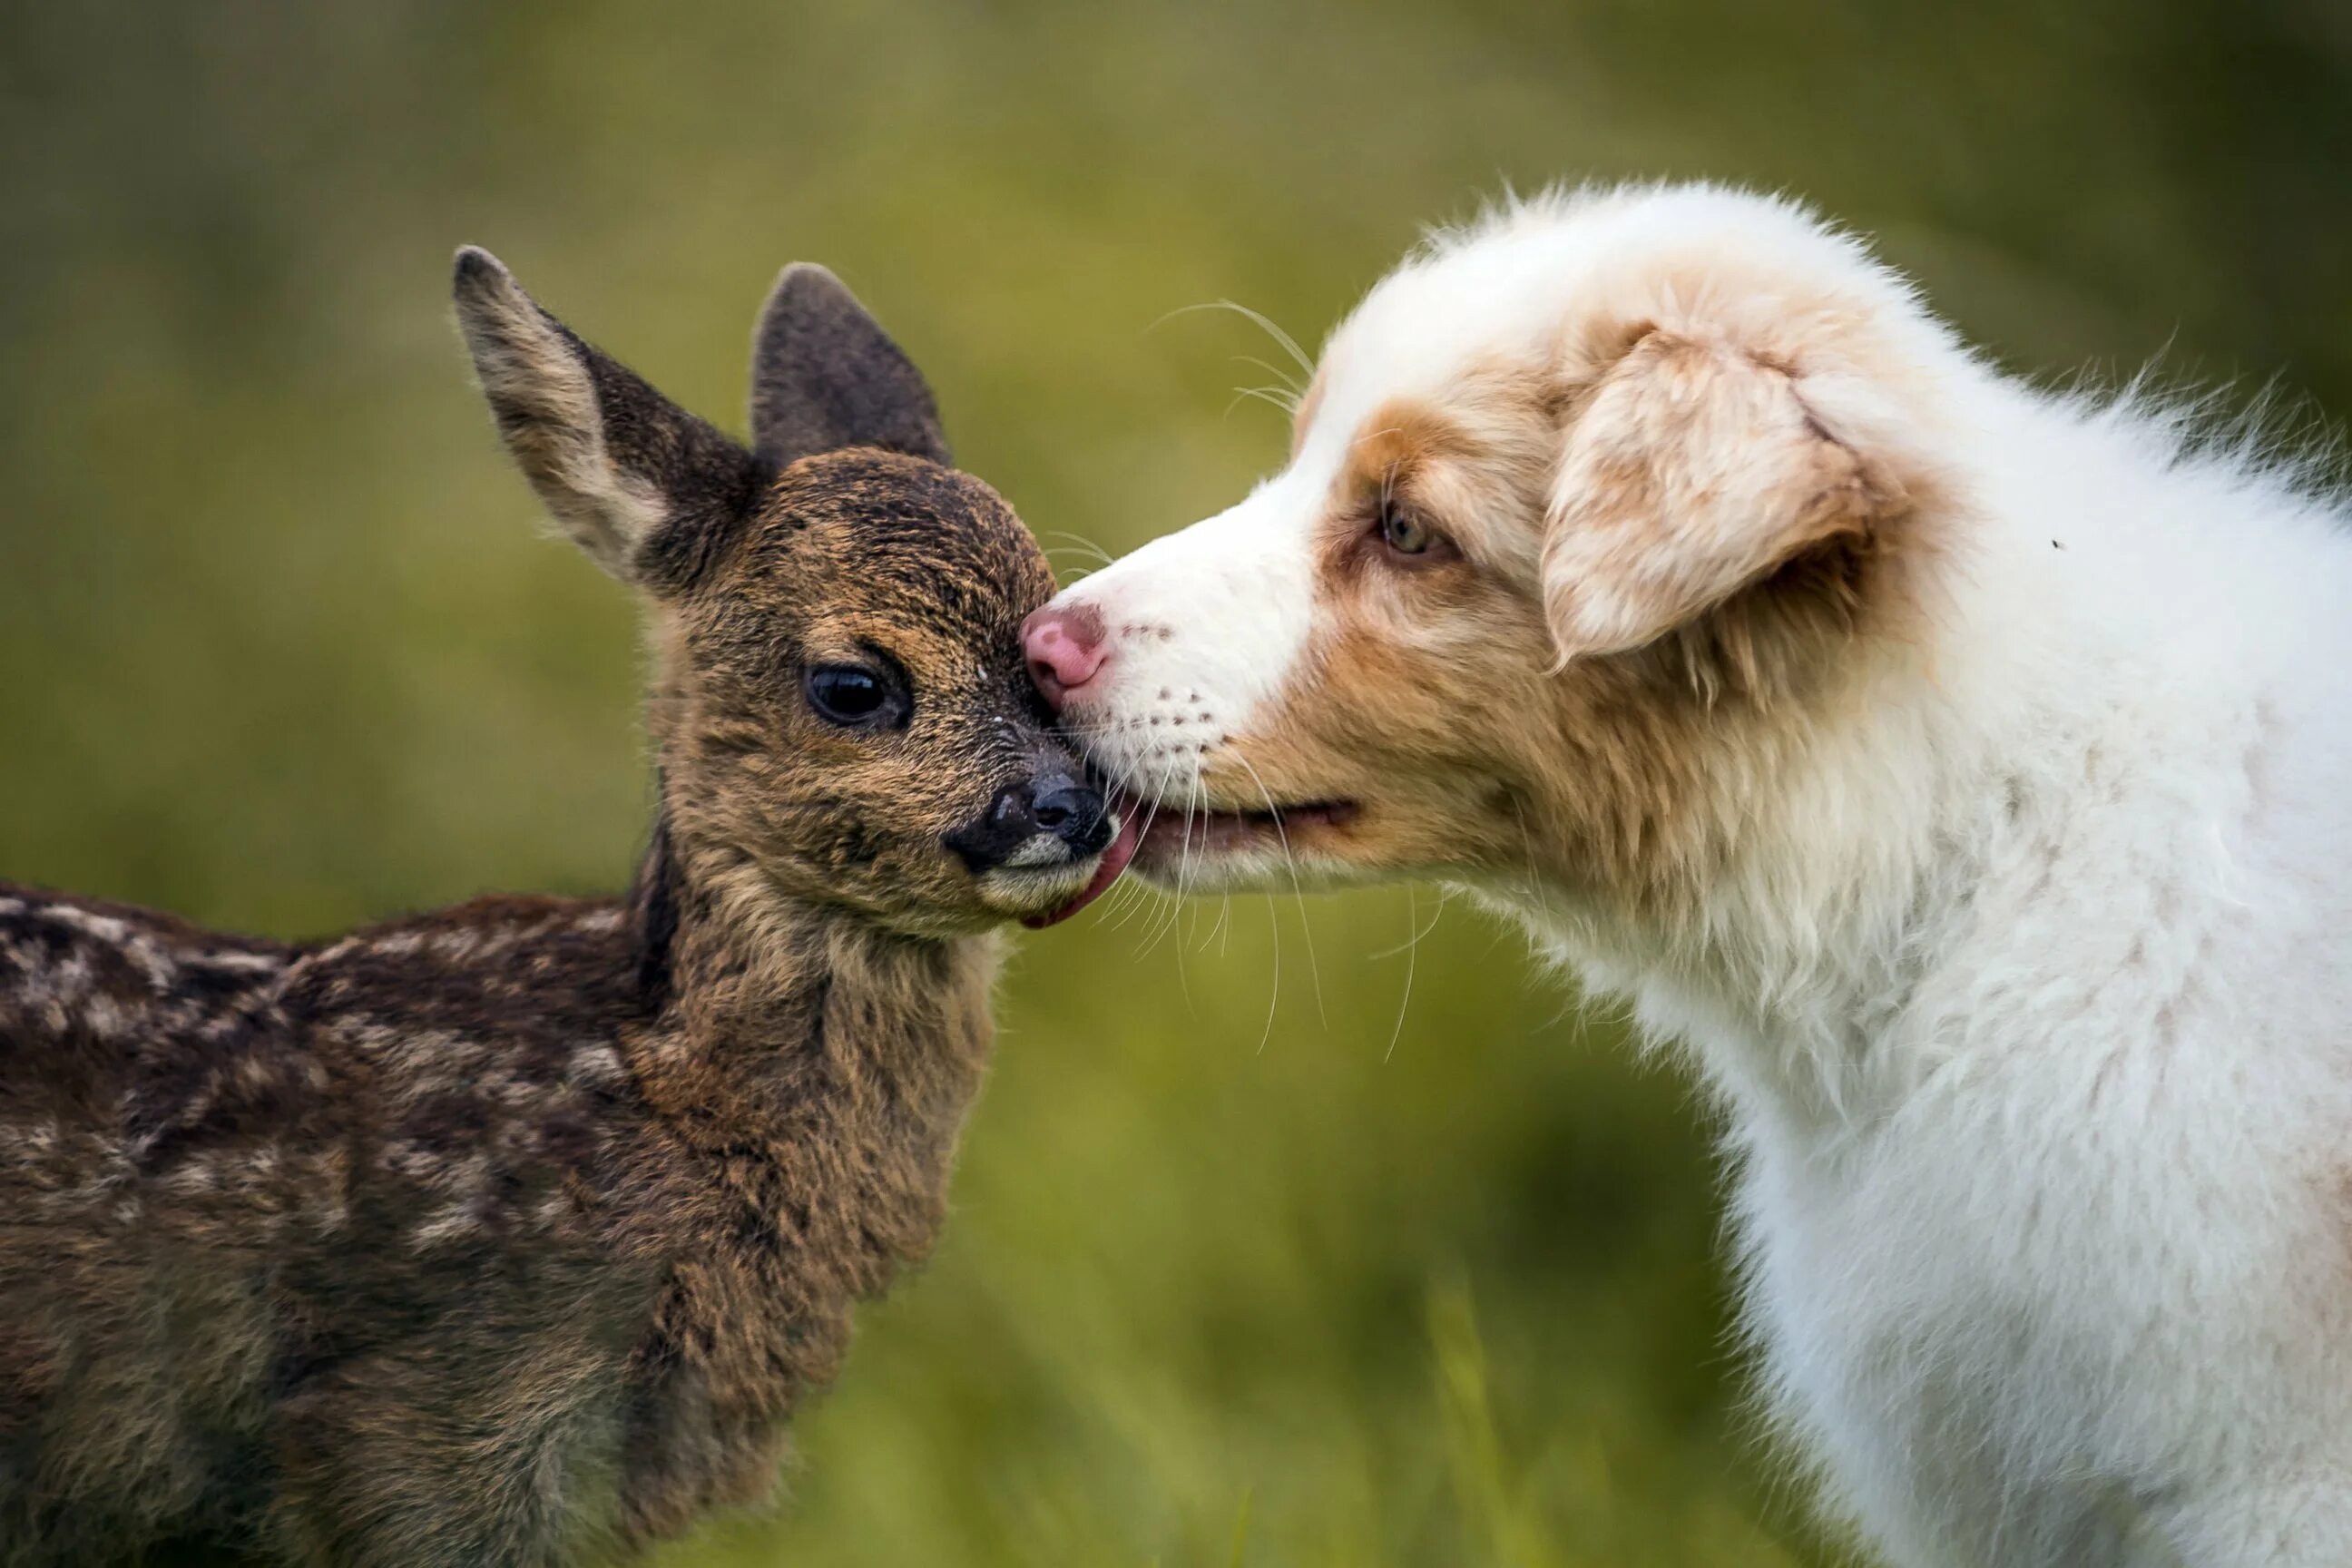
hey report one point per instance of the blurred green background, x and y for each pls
(1279, 1240)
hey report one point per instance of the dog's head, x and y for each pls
(840, 707)
(1584, 507)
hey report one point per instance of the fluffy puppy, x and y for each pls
(1953, 772)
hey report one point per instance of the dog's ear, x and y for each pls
(826, 375)
(1692, 469)
(638, 483)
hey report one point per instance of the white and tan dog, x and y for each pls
(1961, 775)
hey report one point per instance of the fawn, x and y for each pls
(512, 1234)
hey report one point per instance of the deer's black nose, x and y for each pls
(1073, 813)
(1052, 803)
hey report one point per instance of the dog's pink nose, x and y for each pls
(1065, 648)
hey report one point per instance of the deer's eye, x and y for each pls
(1403, 532)
(852, 697)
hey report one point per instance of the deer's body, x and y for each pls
(508, 1236)
(456, 1207)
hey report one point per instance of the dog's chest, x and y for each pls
(1914, 1335)
(2003, 1308)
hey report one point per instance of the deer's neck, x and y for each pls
(816, 1072)
(816, 1042)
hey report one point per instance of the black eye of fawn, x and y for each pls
(1402, 533)
(852, 698)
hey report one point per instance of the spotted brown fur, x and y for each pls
(512, 1232)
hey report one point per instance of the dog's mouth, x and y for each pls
(1174, 837)
(1161, 836)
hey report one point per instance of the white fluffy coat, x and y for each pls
(2027, 994)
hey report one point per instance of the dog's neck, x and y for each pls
(1845, 869)
(1777, 988)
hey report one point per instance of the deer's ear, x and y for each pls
(826, 375)
(638, 483)
(1691, 470)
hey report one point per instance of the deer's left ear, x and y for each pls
(1691, 470)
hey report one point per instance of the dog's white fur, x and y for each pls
(2026, 985)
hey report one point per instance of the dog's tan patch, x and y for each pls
(1684, 502)
(1399, 438)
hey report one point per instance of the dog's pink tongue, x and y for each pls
(1114, 861)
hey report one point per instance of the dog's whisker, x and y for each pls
(1272, 394)
(1162, 926)
(1305, 926)
(1417, 931)
(1151, 926)
(1184, 867)
(1137, 898)
(1284, 382)
(1274, 994)
(1076, 541)
(1224, 908)
(1288, 344)
(1412, 953)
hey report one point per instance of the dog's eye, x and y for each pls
(1403, 532)
(853, 698)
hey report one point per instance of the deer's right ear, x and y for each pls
(638, 483)
(826, 375)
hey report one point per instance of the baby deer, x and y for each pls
(512, 1233)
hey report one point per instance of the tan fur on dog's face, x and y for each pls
(1412, 691)
(1639, 464)
(1436, 700)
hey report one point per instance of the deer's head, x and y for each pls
(840, 708)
